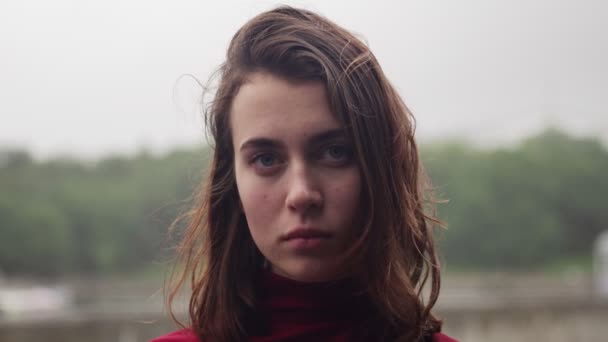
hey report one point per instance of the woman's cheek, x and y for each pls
(251, 191)
(257, 206)
(348, 191)
(351, 198)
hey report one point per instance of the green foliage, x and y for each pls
(538, 204)
(525, 207)
(62, 216)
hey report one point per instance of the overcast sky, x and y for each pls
(91, 78)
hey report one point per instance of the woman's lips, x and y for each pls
(305, 233)
(306, 238)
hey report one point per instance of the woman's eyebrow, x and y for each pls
(260, 143)
(317, 138)
(321, 137)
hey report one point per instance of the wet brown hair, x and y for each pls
(394, 252)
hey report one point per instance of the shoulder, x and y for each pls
(439, 337)
(183, 335)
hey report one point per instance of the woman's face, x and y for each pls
(298, 180)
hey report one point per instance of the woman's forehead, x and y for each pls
(272, 107)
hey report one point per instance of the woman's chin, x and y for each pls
(308, 272)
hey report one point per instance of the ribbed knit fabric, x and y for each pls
(304, 312)
(301, 312)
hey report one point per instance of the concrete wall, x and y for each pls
(583, 321)
(555, 322)
(475, 308)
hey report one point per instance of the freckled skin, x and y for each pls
(298, 184)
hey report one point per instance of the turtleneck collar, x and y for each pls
(284, 294)
(295, 311)
(300, 311)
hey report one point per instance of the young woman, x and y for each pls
(314, 223)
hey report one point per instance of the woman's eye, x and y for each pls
(337, 153)
(265, 160)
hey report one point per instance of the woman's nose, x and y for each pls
(303, 193)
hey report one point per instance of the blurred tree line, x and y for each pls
(523, 207)
(537, 204)
(64, 216)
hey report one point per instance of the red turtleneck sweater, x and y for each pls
(302, 312)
